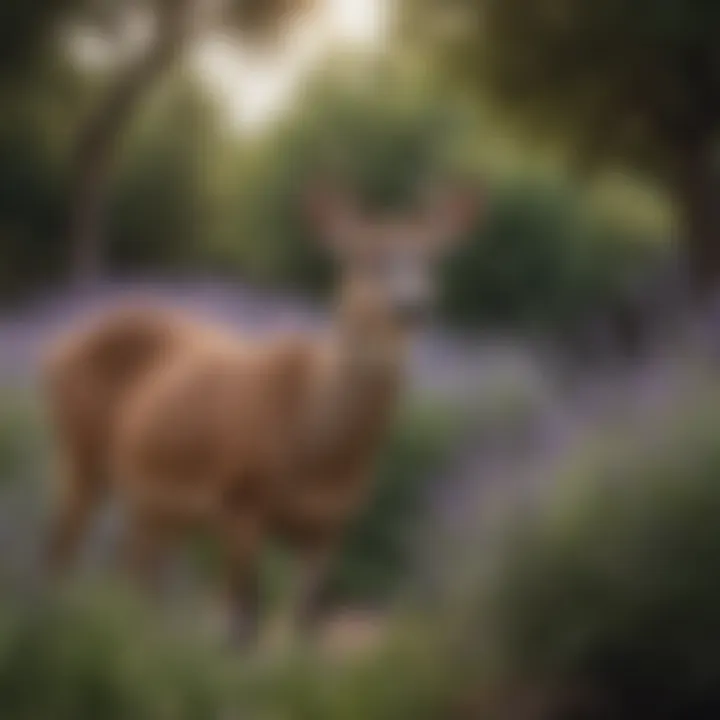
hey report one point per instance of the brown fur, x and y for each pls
(188, 424)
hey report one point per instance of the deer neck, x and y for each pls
(356, 387)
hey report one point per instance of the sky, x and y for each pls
(257, 90)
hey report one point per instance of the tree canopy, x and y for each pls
(623, 82)
(135, 64)
(627, 80)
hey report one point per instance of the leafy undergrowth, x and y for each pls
(100, 654)
(601, 601)
(100, 658)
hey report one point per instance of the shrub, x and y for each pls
(379, 138)
(541, 260)
(399, 681)
(375, 559)
(101, 655)
(605, 596)
(101, 658)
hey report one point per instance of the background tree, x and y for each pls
(629, 82)
(542, 259)
(169, 192)
(380, 133)
(41, 95)
(142, 40)
(27, 30)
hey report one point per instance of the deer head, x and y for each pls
(387, 262)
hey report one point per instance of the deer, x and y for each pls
(259, 440)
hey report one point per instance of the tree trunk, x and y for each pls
(102, 133)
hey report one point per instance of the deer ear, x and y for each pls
(332, 212)
(451, 212)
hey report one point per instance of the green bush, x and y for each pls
(401, 680)
(98, 654)
(379, 140)
(541, 260)
(605, 596)
(375, 560)
(102, 658)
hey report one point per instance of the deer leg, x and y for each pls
(243, 588)
(144, 549)
(242, 540)
(309, 590)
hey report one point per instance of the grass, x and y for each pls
(100, 654)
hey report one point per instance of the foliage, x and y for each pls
(190, 195)
(401, 679)
(105, 656)
(621, 80)
(27, 33)
(260, 21)
(541, 260)
(166, 198)
(102, 658)
(381, 140)
(539, 257)
(606, 593)
(39, 113)
(128, 73)
(375, 561)
(626, 84)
